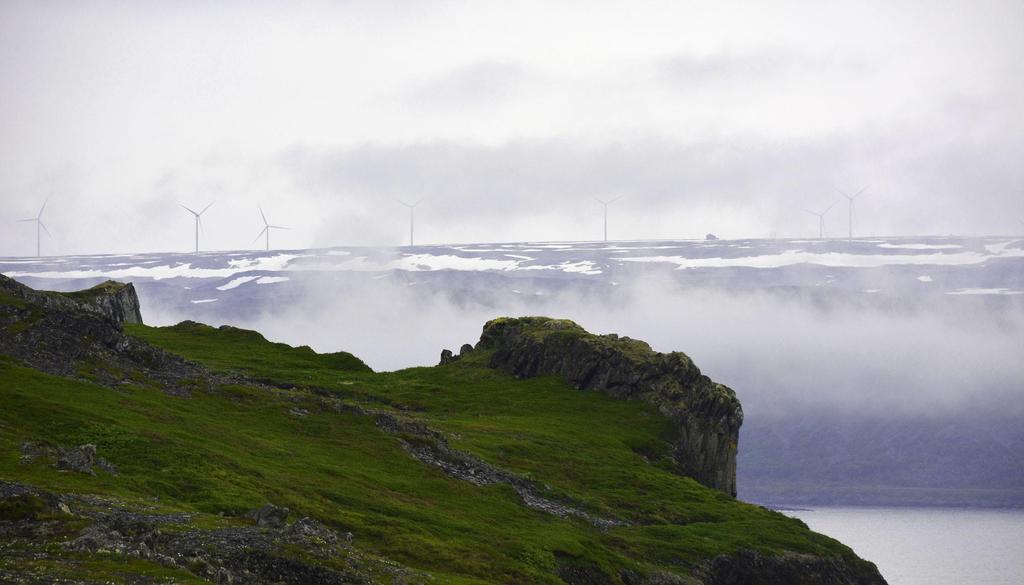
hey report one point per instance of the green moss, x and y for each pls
(23, 507)
(102, 289)
(10, 300)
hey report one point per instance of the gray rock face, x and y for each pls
(116, 301)
(269, 515)
(706, 415)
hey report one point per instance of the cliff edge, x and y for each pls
(117, 301)
(706, 415)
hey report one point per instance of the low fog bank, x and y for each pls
(783, 354)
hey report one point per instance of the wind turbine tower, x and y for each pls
(267, 227)
(412, 217)
(821, 219)
(39, 226)
(199, 222)
(606, 204)
(850, 198)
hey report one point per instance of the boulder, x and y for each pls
(269, 515)
(79, 459)
(32, 452)
(447, 357)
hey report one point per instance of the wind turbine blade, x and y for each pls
(857, 194)
(260, 235)
(199, 220)
(43, 208)
(263, 216)
(29, 219)
(278, 227)
(403, 203)
(418, 201)
(207, 207)
(189, 210)
(43, 225)
(616, 199)
(601, 201)
(811, 212)
(830, 207)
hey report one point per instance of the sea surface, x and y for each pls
(930, 546)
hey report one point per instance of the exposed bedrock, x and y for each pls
(706, 415)
(117, 301)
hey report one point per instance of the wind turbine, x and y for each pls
(199, 221)
(606, 204)
(267, 227)
(821, 219)
(39, 224)
(851, 198)
(412, 217)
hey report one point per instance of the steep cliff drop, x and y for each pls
(117, 301)
(706, 415)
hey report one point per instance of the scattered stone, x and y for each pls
(32, 452)
(299, 412)
(431, 447)
(447, 357)
(270, 516)
(106, 466)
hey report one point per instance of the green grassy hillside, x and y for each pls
(300, 429)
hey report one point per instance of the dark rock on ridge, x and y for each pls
(448, 357)
(706, 415)
(81, 335)
(789, 569)
(116, 301)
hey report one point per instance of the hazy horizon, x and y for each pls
(508, 120)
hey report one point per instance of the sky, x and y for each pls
(507, 119)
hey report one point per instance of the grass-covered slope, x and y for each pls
(303, 430)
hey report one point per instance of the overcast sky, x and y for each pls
(508, 118)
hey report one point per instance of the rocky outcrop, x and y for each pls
(38, 525)
(116, 301)
(81, 335)
(448, 357)
(80, 459)
(706, 415)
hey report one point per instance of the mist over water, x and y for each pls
(781, 353)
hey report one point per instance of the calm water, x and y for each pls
(930, 546)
